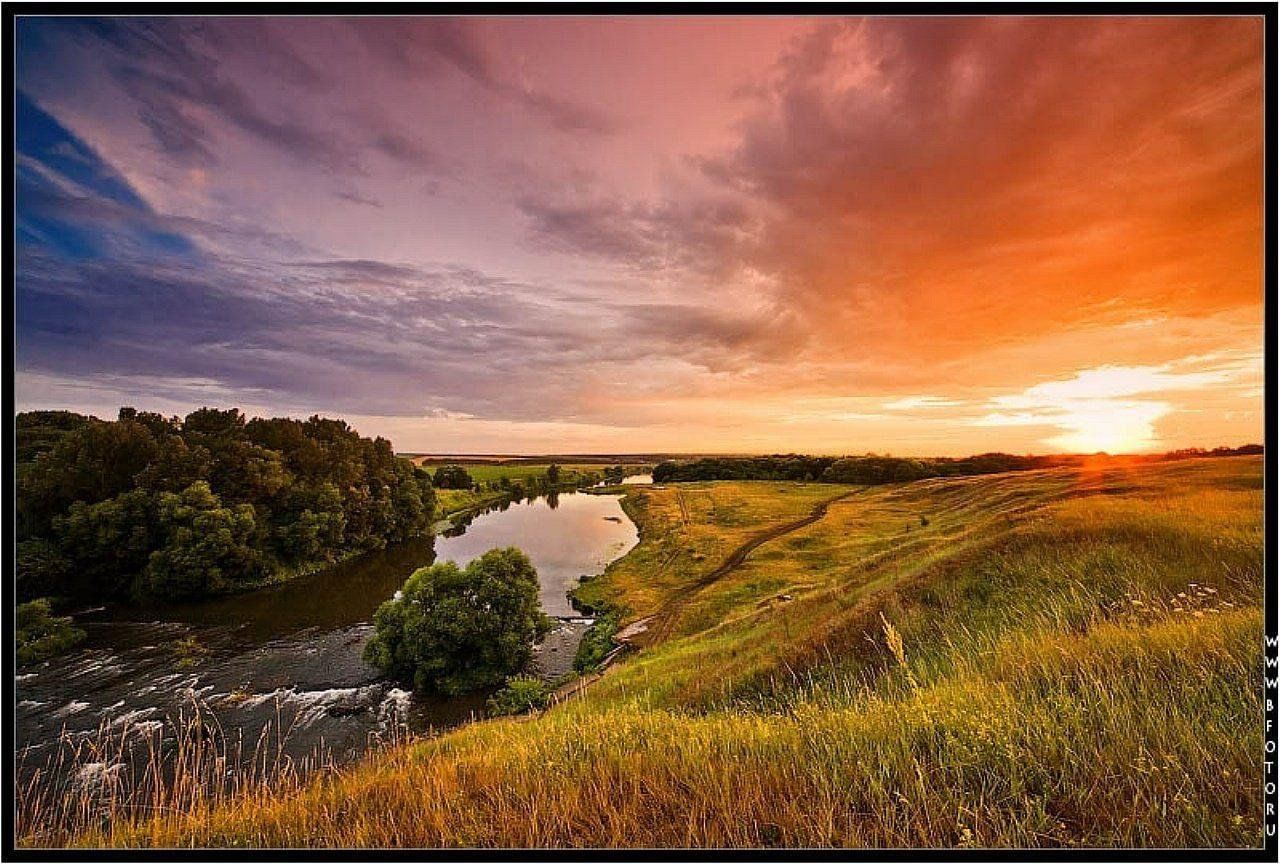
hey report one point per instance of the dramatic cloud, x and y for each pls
(905, 234)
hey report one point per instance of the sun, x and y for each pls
(1109, 426)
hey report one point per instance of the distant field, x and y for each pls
(1057, 658)
(455, 500)
(520, 471)
(431, 459)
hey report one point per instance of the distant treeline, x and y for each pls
(148, 505)
(873, 470)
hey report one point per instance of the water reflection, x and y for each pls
(576, 536)
(347, 593)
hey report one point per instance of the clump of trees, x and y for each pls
(873, 470)
(789, 467)
(148, 505)
(41, 634)
(452, 477)
(869, 469)
(453, 630)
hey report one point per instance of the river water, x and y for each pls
(288, 659)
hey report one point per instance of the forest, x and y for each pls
(873, 470)
(148, 506)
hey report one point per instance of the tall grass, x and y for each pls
(125, 772)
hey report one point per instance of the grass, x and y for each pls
(1058, 658)
(484, 473)
(451, 501)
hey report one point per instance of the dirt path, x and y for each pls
(657, 627)
(660, 627)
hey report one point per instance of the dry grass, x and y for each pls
(1056, 659)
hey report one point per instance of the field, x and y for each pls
(1066, 657)
(456, 500)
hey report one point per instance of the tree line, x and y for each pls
(874, 470)
(154, 506)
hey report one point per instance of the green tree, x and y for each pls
(553, 474)
(92, 463)
(91, 495)
(453, 630)
(452, 477)
(208, 547)
(40, 569)
(108, 542)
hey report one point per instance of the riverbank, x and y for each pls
(1052, 658)
(281, 668)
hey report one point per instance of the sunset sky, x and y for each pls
(907, 235)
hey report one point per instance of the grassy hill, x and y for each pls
(1067, 657)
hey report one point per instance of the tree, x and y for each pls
(452, 477)
(97, 500)
(452, 630)
(208, 547)
(553, 474)
(108, 542)
(92, 463)
(40, 569)
(214, 421)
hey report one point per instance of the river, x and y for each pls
(288, 658)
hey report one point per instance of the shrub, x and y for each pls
(452, 477)
(597, 642)
(454, 630)
(42, 635)
(521, 694)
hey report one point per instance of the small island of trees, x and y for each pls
(454, 630)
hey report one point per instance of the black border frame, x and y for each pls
(1268, 676)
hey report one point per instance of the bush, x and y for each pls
(42, 635)
(597, 642)
(452, 477)
(520, 695)
(453, 630)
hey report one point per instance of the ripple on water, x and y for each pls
(72, 707)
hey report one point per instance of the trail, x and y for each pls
(663, 622)
(665, 618)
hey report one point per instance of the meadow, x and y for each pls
(1066, 657)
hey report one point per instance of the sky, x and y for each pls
(919, 236)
